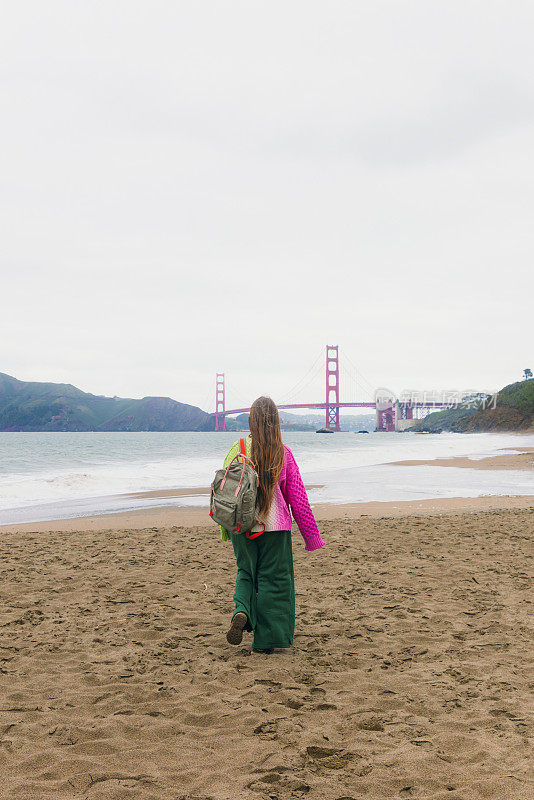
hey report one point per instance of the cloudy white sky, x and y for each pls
(187, 187)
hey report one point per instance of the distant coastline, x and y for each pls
(511, 409)
(33, 407)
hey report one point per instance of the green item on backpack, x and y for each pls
(233, 495)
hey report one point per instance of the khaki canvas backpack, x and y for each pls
(233, 495)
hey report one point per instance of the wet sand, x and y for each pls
(408, 676)
(523, 460)
(187, 492)
(197, 516)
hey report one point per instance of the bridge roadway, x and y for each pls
(371, 404)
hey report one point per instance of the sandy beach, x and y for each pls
(283, 250)
(408, 677)
(521, 460)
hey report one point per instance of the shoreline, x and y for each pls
(194, 516)
(199, 490)
(522, 461)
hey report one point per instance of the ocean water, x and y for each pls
(54, 475)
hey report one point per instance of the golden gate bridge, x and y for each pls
(391, 413)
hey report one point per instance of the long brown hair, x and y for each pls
(267, 449)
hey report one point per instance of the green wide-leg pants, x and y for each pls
(265, 587)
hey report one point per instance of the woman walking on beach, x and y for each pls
(265, 586)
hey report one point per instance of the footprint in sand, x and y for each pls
(267, 729)
(370, 724)
(283, 784)
(329, 757)
(291, 703)
(194, 797)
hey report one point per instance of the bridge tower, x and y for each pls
(220, 402)
(332, 387)
(385, 416)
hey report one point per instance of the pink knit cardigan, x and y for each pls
(294, 495)
(289, 496)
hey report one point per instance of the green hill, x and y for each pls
(33, 406)
(514, 411)
(442, 420)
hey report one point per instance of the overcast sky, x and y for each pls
(187, 187)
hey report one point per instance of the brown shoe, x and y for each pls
(235, 632)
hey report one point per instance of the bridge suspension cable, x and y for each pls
(235, 394)
(207, 402)
(303, 382)
(302, 387)
(359, 378)
(353, 388)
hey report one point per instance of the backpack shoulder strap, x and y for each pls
(242, 446)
